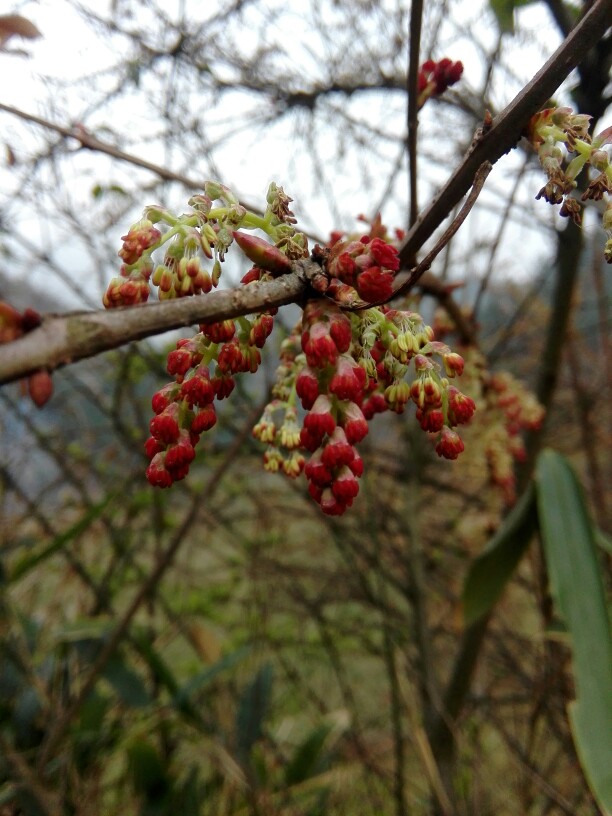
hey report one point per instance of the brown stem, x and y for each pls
(64, 339)
(416, 17)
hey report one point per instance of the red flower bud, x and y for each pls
(337, 451)
(345, 486)
(349, 380)
(157, 475)
(375, 284)
(307, 387)
(353, 422)
(40, 387)
(384, 254)
(450, 444)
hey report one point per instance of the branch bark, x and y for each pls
(64, 339)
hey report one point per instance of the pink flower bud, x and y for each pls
(265, 255)
(349, 379)
(307, 387)
(353, 422)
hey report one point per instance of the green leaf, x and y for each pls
(127, 683)
(492, 569)
(307, 759)
(30, 561)
(204, 678)
(149, 776)
(252, 709)
(574, 572)
(504, 12)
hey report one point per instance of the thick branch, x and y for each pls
(507, 127)
(67, 338)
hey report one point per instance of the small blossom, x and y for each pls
(375, 284)
(320, 421)
(450, 444)
(307, 387)
(354, 423)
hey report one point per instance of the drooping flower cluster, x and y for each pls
(511, 409)
(347, 368)
(184, 408)
(435, 77)
(14, 324)
(203, 366)
(556, 133)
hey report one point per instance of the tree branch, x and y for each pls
(64, 339)
(507, 126)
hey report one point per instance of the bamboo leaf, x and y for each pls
(492, 569)
(252, 709)
(308, 756)
(31, 560)
(574, 571)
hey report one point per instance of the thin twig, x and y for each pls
(425, 264)
(416, 18)
(506, 128)
(145, 592)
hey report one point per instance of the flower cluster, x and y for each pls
(203, 366)
(184, 408)
(192, 241)
(558, 132)
(347, 367)
(14, 324)
(511, 409)
(435, 77)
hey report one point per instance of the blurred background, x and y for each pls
(223, 648)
